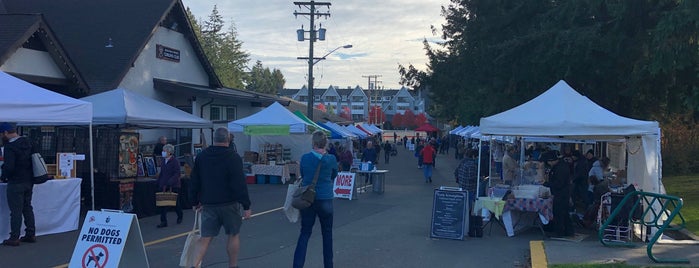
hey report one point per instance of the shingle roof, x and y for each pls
(16, 29)
(85, 27)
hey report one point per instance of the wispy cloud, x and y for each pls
(381, 32)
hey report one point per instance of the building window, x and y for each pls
(357, 99)
(222, 113)
(303, 98)
(316, 98)
(357, 107)
(344, 98)
(331, 98)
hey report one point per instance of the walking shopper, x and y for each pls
(17, 172)
(169, 178)
(218, 189)
(387, 148)
(427, 154)
(325, 165)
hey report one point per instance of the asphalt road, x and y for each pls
(376, 230)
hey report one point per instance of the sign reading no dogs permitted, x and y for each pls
(109, 239)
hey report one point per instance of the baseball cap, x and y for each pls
(6, 126)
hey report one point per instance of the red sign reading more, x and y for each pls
(344, 183)
(167, 53)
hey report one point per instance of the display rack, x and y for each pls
(271, 152)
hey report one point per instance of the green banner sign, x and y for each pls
(279, 130)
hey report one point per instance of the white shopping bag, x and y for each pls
(189, 252)
(291, 213)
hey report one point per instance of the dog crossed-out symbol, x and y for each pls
(96, 255)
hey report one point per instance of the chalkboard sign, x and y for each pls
(449, 214)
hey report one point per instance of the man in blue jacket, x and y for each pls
(218, 189)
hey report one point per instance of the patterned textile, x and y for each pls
(540, 205)
(283, 171)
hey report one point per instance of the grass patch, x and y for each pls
(593, 265)
(687, 188)
(600, 265)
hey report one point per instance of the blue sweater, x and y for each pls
(328, 172)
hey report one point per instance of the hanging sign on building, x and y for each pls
(167, 53)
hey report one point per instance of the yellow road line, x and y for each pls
(538, 254)
(183, 234)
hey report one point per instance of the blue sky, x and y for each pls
(382, 34)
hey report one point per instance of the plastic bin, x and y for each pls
(262, 179)
(275, 179)
(250, 178)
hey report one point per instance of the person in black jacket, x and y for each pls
(218, 189)
(17, 172)
(559, 182)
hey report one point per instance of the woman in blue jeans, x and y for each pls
(322, 207)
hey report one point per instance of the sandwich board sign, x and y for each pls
(343, 185)
(109, 239)
(449, 213)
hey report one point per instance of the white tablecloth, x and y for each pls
(56, 207)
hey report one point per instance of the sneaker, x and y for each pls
(28, 239)
(179, 220)
(11, 242)
(161, 225)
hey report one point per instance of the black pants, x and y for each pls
(563, 225)
(19, 199)
(178, 207)
(386, 156)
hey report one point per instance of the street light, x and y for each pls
(312, 61)
(331, 52)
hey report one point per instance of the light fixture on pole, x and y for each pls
(312, 61)
(313, 36)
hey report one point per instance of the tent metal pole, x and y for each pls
(92, 169)
(478, 181)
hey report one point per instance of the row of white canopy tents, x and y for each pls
(563, 113)
(276, 124)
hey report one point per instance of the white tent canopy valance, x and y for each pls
(125, 107)
(28, 104)
(562, 112)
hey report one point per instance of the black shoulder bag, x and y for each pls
(305, 195)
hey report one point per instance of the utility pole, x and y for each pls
(376, 82)
(312, 14)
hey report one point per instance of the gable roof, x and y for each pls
(84, 28)
(19, 28)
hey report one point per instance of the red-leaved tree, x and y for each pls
(409, 119)
(420, 119)
(397, 121)
(346, 113)
(321, 106)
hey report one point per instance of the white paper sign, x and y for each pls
(80, 157)
(344, 183)
(102, 241)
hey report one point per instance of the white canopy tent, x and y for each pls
(125, 107)
(562, 112)
(27, 104)
(275, 124)
(453, 131)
